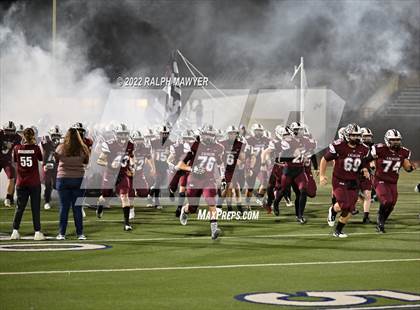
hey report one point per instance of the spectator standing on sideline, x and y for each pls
(28, 183)
(72, 157)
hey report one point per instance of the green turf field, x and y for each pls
(163, 265)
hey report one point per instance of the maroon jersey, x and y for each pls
(232, 151)
(206, 156)
(347, 160)
(26, 157)
(254, 147)
(160, 150)
(120, 153)
(389, 162)
(179, 150)
(141, 153)
(48, 147)
(7, 143)
(88, 142)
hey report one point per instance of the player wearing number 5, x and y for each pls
(389, 158)
(28, 184)
(349, 156)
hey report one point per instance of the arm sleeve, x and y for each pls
(331, 153)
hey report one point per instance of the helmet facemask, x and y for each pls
(258, 133)
(354, 139)
(394, 143)
(122, 137)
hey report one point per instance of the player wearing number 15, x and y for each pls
(349, 156)
(28, 184)
(389, 158)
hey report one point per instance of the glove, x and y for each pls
(223, 184)
(198, 170)
(49, 166)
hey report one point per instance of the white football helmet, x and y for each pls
(367, 135)
(232, 132)
(80, 128)
(55, 133)
(136, 136)
(353, 133)
(281, 132)
(341, 133)
(188, 136)
(9, 127)
(297, 128)
(121, 133)
(257, 130)
(393, 138)
(208, 134)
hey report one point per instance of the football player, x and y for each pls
(366, 183)
(389, 158)
(255, 145)
(349, 156)
(8, 139)
(143, 157)
(82, 132)
(201, 161)
(49, 165)
(179, 177)
(19, 130)
(160, 152)
(234, 160)
(118, 156)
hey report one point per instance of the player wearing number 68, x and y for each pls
(28, 184)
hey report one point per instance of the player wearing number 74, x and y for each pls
(389, 158)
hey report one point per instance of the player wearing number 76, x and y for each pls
(389, 158)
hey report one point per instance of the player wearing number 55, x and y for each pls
(28, 184)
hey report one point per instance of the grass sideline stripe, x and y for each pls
(399, 260)
(381, 307)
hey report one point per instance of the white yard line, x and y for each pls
(381, 307)
(237, 237)
(210, 267)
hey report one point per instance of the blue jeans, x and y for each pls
(68, 191)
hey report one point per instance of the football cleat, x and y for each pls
(39, 236)
(178, 212)
(81, 237)
(417, 188)
(99, 211)
(380, 229)
(132, 214)
(15, 235)
(215, 234)
(289, 203)
(171, 195)
(301, 220)
(128, 227)
(276, 210)
(60, 237)
(158, 207)
(339, 234)
(366, 220)
(7, 203)
(331, 217)
(355, 212)
(47, 206)
(183, 217)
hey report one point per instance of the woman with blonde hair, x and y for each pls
(72, 157)
(28, 184)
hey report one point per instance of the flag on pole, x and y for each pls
(173, 103)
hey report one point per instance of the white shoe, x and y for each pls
(83, 212)
(60, 237)
(47, 206)
(330, 218)
(132, 214)
(128, 227)
(183, 218)
(15, 235)
(39, 236)
(215, 234)
(339, 234)
(417, 188)
(81, 237)
(159, 207)
(7, 203)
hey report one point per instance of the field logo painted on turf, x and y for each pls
(50, 247)
(326, 299)
(204, 215)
